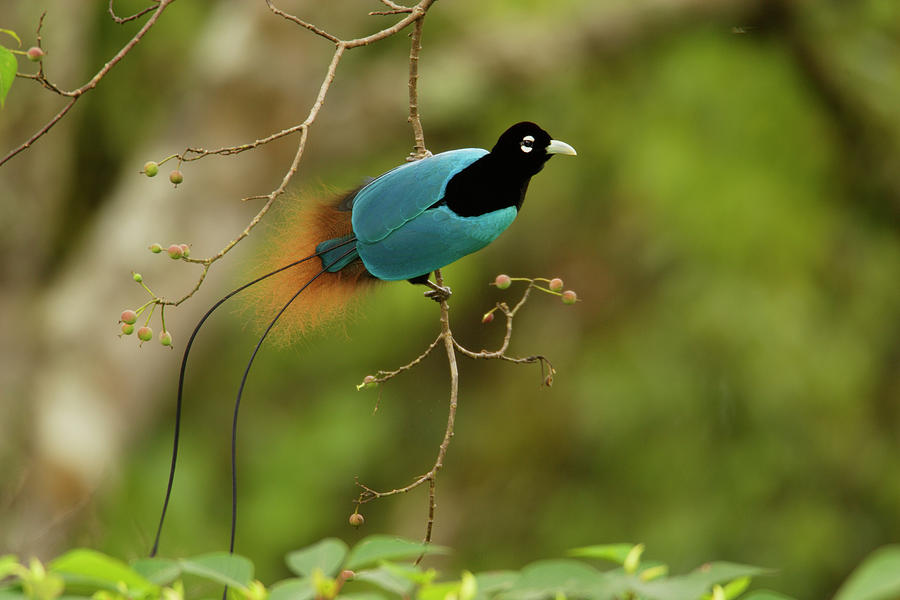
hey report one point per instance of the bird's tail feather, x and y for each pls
(308, 227)
(184, 358)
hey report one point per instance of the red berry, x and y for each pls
(502, 281)
(176, 176)
(175, 251)
(569, 297)
(35, 54)
(185, 250)
(488, 317)
(128, 317)
(556, 284)
(356, 519)
(127, 328)
(145, 334)
(165, 338)
(150, 169)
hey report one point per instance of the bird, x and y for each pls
(402, 225)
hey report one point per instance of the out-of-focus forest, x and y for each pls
(728, 387)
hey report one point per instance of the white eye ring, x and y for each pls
(527, 144)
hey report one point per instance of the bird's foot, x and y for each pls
(437, 293)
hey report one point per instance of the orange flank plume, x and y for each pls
(295, 234)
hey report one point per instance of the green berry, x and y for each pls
(176, 176)
(369, 381)
(569, 297)
(185, 250)
(137, 277)
(145, 334)
(175, 251)
(556, 284)
(35, 54)
(165, 338)
(127, 328)
(356, 519)
(150, 169)
(155, 248)
(128, 316)
(502, 282)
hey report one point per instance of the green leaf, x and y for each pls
(548, 578)
(439, 591)
(386, 580)
(492, 582)
(877, 578)
(697, 582)
(376, 548)
(13, 34)
(230, 569)
(326, 555)
(411, 573)
(89, 567)
(160, 571)
(362, 596)
(8, 66)
(9, 563)
(292, 589)
(766, 595)
(612, 552)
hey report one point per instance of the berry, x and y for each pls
(369, 381)
(346, 574)
(150, 169)
(548, 380)
(137, 277)
(569, 297)
(165, 338)
(127, 328)
(185, 250)
(155, 248)
(502, 282)
(175, 251)
(35, 54)
(176, 176)
(145, 334)
(128, 317)
(556, 284)
(488, 317)
(356, 519)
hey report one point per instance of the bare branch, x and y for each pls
(302, 23)
(137, 15)
(419, 150)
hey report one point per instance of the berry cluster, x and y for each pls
(151, 169)
(551, 286)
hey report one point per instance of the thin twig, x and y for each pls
(137, 15)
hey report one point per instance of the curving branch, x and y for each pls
(452, 346)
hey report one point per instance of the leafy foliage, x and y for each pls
(323, 571)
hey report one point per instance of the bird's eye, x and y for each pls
(527, 144)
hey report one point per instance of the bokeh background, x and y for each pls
(729, 387)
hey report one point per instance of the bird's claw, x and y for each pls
(438, 294)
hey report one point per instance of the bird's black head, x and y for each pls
(526, 147)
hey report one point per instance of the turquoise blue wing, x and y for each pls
(401, 195)
(433, 239)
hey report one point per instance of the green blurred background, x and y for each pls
(729, 387)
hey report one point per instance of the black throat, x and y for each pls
(486, 185)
